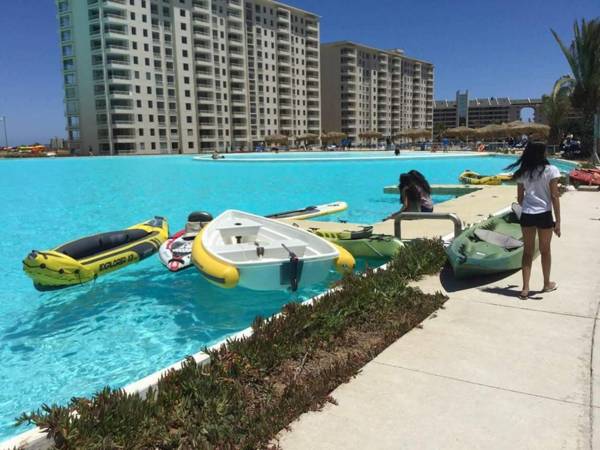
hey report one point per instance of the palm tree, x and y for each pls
(556, 107)
(583, 56)
(438, 131)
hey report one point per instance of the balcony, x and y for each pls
(236, 62)
(202, 4)
(117, 15)
(234, 14)
(114, 31)
(312, 75)
(283, 49)
(121, 105)
(116, 61)
(122, 120)
(202, 31)
(312, 54)
(201, 18)
(117, 45)
(120, 90)
(123, 134)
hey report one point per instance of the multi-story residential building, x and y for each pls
(183, 76)
(479, 112)
(366, 90)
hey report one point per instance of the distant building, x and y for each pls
(183, 76)
(365, 89)
(57, 143)
(479, 112)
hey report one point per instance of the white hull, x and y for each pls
(268, 277)
(267, 255)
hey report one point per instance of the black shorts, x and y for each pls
(543, 220)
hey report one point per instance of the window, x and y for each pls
(70, 79)
(67, 50)
(68, 64)
(65, 21)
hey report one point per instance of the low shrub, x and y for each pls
(254, 387)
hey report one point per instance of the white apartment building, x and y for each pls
(184, 76)
(365, 90)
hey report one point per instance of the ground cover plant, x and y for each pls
(255, 387)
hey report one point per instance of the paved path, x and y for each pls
(489, 371)
(471, 208)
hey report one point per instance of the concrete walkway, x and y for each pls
(471, 208)
(489, 371)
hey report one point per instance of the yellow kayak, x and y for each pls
(469, 177)
(85, 259)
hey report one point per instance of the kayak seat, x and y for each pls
(93, 245)
(498, 239)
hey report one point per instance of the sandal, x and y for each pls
(524, 295)
(551, 288)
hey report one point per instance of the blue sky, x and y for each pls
(491, 47)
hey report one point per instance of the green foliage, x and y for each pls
(556, 108)
(583, 57)
(254, 387)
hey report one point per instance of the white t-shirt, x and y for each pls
(538, 198)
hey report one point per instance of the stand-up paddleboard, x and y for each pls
(311, 211)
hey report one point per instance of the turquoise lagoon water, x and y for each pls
(131, 323)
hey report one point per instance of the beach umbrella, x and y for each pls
(307, 137)
(333, 136)
(422, 133)
(411, 133)
(276, 139)
(492, 131)
(460, 132)
(371, 135)
(532, 129)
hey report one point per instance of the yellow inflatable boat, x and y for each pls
(469, 177)
(85, 259)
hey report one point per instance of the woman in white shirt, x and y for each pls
(537, 193)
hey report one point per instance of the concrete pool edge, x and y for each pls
(250, 158)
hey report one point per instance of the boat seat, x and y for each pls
(501, 240)
(235, 228)
(272, 249)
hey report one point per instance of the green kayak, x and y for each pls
(363, 243)
(492, 246)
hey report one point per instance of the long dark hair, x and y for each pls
(407, 184)
(533, 159)
(420, 181)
